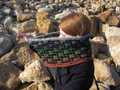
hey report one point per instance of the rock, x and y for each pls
(6, 10)
(83, 10)
(25, 55)
(51, 1)
(101, 86)
(18, 2)
(8, 57)
(104, 15)
(117, 9)
(1, 3)
(38, 86)
(7, 42)
(8, 22)
(35, 72)
(113, 21)
(2, 16)
(44, 1)
(37, 7)
(14, 27)
(24, 16)
(76, 3)
(2, 29)
(28, 26)
(112, 35)
(108, 4)
(47, 8)
(99, 48)
(56, 1)
(21, 15)
(44, 86)
(43, 23)
(106, 73)
(95, 6)
(33, 86)
(63, 14)
(8, 3)
(9, 76)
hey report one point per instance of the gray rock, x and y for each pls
(2, 16)
(47, 8)
(19, 2)
(1, 3)
(1, 28)
(6, 43)
(37, 7)
(6, 10)
(8, 3)
(63, 14)
(7, 22)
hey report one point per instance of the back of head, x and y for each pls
(75, 24)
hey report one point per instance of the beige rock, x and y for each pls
(56, 1)
(43, 23)
(25, 55)
(95, 5)
(44, 86)
(63, 14)
(106, 73)
(112, 35)
(24, 16)
(28, 26)
(112, 41)
(100, 85)
(25, 29)
(113, 20)
(98, 39)
(38, 86)
(51, 1)
(34, 72)
(33, 86)
(104, 15)
(103, 72)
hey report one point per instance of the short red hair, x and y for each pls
(75, 24)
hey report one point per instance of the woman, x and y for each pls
(75, 76)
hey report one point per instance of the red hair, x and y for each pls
(75, 24)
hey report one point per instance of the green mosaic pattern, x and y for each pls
(57, 51)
